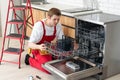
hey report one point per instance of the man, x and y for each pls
(48, 29)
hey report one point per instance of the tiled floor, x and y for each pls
(10, 71)
(116, 77)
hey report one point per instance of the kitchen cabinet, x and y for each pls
(68, 23)
(68, 31)
(37, 15)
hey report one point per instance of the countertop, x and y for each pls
(88, 15)
(99, 18)
(62, 7)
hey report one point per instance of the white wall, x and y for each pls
(68, 2)
(0, 20)
(3, 13)
(109, 6)
(3, 7)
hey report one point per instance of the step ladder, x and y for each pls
(21, 15)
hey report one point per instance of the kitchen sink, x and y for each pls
(75, 10)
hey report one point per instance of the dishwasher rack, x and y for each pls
(62, 49)
(91, 38)
(90, 41)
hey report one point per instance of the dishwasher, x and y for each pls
(89, 58)
(81, 63)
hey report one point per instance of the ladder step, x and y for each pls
(12, 51)
(19, 7)
(9, 61)
(15, 21)
(16, 36)
(26, 38)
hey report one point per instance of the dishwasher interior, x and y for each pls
(86, 61)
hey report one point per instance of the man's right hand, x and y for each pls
(42, 47)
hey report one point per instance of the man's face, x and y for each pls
(54, 20)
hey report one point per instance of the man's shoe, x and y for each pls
(27, 59)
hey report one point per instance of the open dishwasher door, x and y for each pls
(61, 71)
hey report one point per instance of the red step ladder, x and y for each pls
(19, 21)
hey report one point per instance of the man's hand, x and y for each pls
(42, 47)
(54, 41)
(43, 50)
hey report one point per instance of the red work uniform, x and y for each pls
(39, 59)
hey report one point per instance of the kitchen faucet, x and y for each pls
(44, 1)
(93, 4)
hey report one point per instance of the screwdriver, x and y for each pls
(38, 77)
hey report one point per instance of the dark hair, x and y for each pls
(54, 11)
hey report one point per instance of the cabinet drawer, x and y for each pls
(69, 21)
(38, 14)
(68, 31)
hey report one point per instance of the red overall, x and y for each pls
(38, 59)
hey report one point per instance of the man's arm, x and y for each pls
(36, 46)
